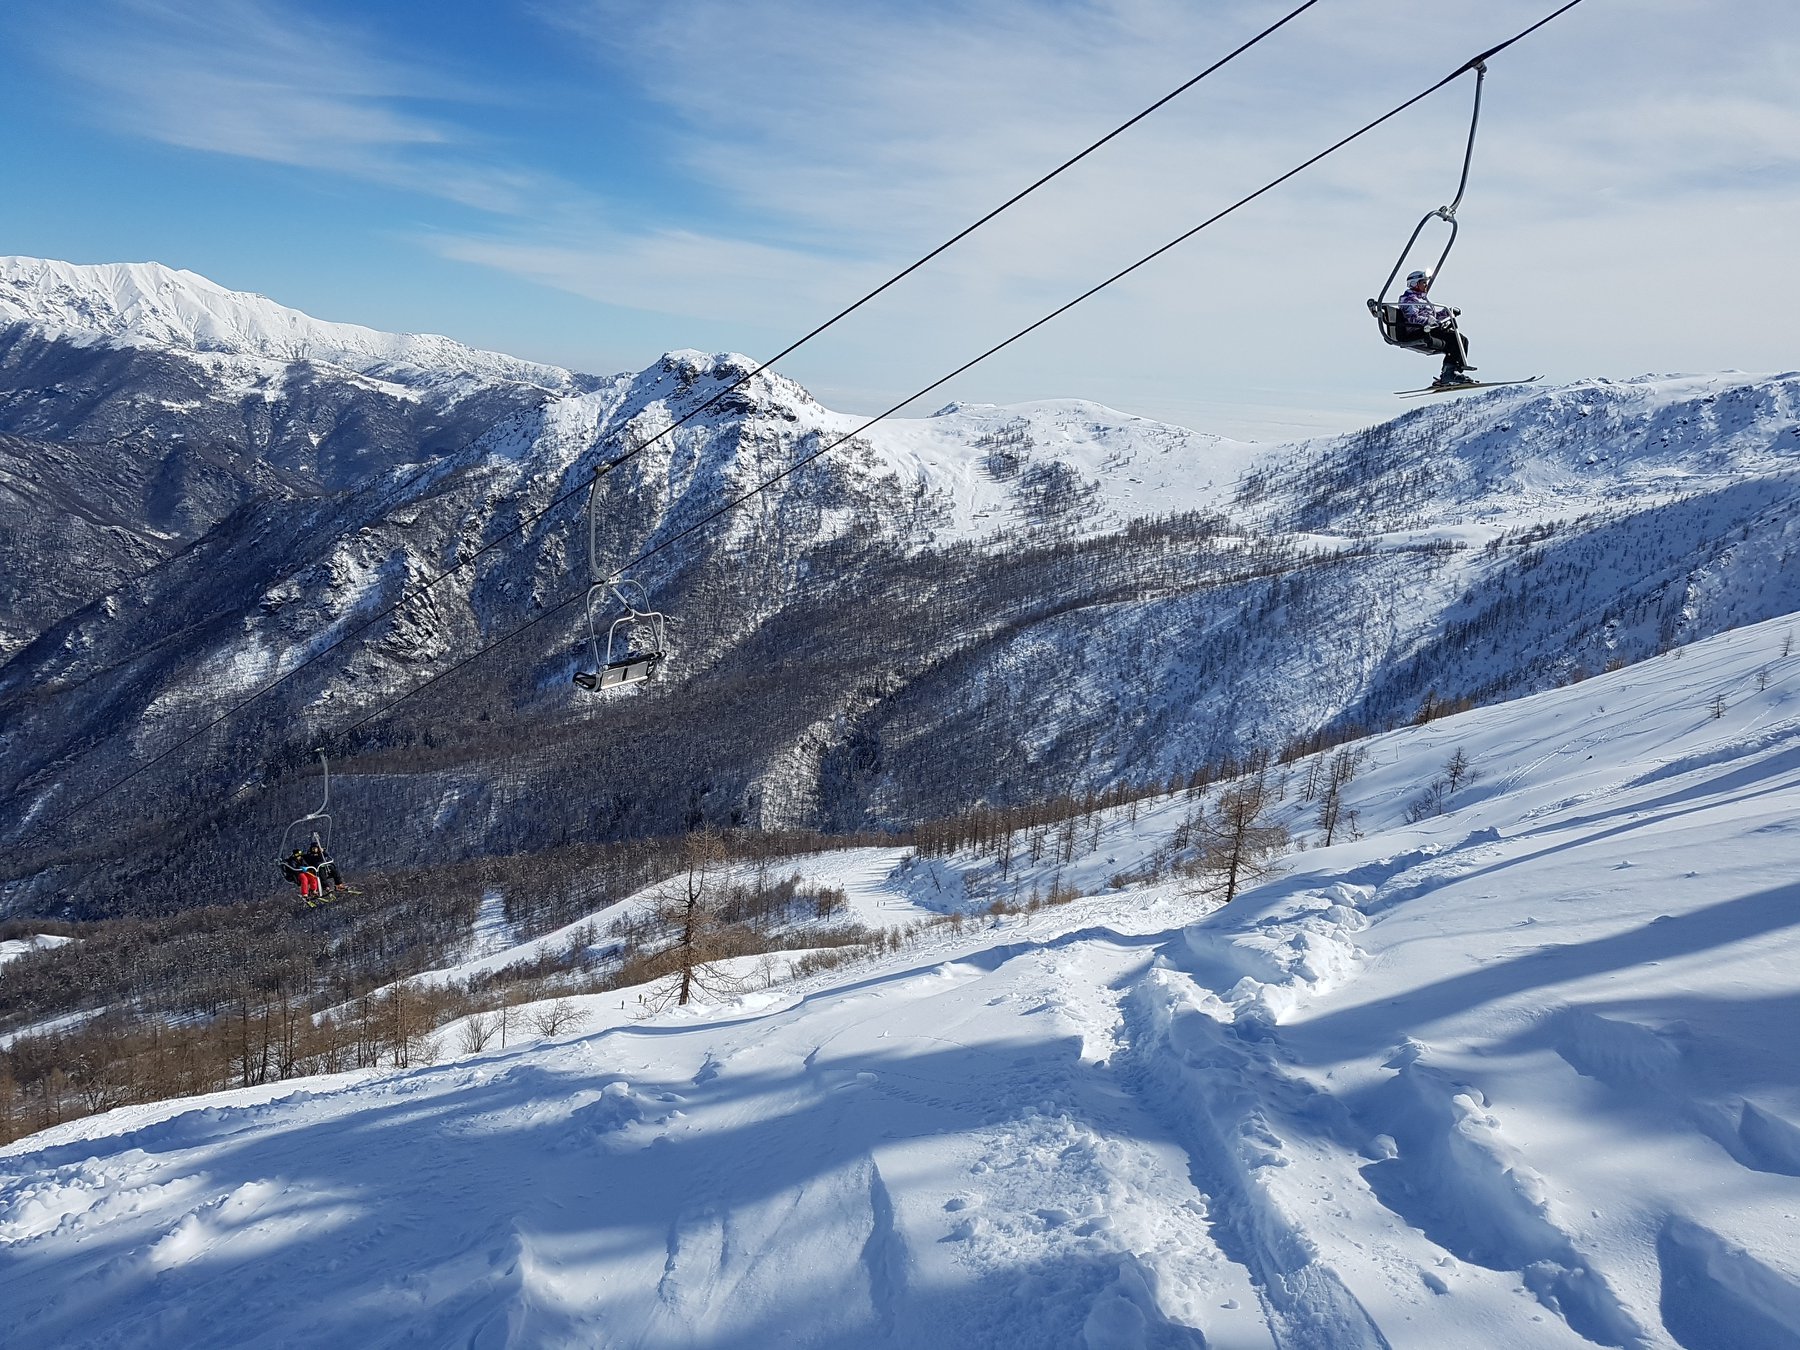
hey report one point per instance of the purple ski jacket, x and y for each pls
(1417, 309)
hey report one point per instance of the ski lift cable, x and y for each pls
(799, 464)
(964, 233)
(826, 449)
(844, 313)
(586, 484)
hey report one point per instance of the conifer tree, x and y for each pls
(1237, 844)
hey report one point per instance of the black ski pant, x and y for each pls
(1449, 340)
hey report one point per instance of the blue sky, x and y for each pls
(592, 182)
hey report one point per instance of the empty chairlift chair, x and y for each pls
(635, 640)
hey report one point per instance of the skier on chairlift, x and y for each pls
(298, 870)
(1436, 325)
(323, 866)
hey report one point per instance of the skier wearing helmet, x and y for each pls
(1436, 325)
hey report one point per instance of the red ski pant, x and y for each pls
(309, 885)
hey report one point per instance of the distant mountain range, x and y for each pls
(199, 488)
(151, 306)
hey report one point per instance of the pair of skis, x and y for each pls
(1458, 388)
(320, 901)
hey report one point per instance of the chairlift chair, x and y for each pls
(635, 644)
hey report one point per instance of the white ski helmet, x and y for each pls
(1414, 278)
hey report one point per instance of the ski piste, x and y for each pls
(1456, 388)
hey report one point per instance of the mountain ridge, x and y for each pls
(167, 307)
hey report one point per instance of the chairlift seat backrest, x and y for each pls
(630, 670)
(1396, 332)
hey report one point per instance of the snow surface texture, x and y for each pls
(149, 304)
(1520, 1074)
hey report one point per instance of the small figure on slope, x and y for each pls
(1436, 325)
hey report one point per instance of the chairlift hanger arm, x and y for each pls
(1462, 184)
(1478, 64)
(1447, 214)
(325, 779)
(321, 812)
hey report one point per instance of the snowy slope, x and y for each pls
(987, 460)
(1547, 450)
(880, 894)
(13, 948)
(1518, 1074)
(148, 304)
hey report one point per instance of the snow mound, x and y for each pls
(1514, 1072)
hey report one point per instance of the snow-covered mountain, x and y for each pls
(141, 406)
(981, 605)
(147, 304)
(1493, 1065)
(1511, 1074)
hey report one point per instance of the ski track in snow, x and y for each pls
(1514, 1075)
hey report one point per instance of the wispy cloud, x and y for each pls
(671, 271)
(841, 140)
(880, 123)
(845, 139)
(260, 80)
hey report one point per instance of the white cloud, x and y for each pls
(671, 271)
(255, 79)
